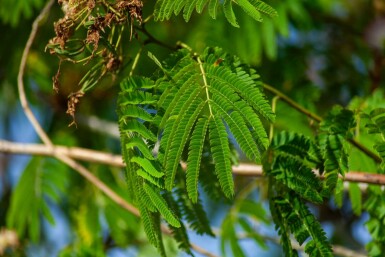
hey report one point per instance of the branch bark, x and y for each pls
(89, 155)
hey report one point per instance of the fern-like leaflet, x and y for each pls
(292, 181)
(164, 9)
(189, 110)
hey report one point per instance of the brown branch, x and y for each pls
(20, 83)
(244, 169)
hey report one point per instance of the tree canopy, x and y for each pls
(189, 127)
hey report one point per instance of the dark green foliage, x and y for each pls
(179, 233)
(164, 9)
(294, 216)
(335, 130)
(293, 181)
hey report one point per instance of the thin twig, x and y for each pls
(317, 118)
(152, 39)
(20, 83)
(89, 155)
(202, 251)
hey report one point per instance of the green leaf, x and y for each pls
(148, 166)
(221, 153)
(229, 13)
(250, 9)
(161, 205)
(194, 158)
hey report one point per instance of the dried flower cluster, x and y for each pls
(92, 30)
(8, 239)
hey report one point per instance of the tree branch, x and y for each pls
(20, 83)
(89, 155)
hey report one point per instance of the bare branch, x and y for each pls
(244, 169)
(20, 83)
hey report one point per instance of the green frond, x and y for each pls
(300, 147)
(263, 7)
(151, 227)
(165, 8)
(221, 152)
(130, 97)
(134, 82)
(135, 112)
(292, 144)
(144, 199)
(302, 225)
(231, 101)
(250, 9)
(194, 214)
(213, 5)
(139, 128)
(137, 142)
(179, 140)
(200, 5)
(161, 205)
(148, 225)
(188, 9)
(336, 159)
(297, 177)
(131, 180)
(194, 158)
(153, 180)
(244, 85)
(339, 121)
(149, 166)
(185, 90)
(209, 180)
(377, 121)
(229, 13)
(182, 112)
(192, 97)
(240, 131)
(180, 234)
(282, 228)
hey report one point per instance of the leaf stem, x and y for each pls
(273, 108)
(206, 85)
